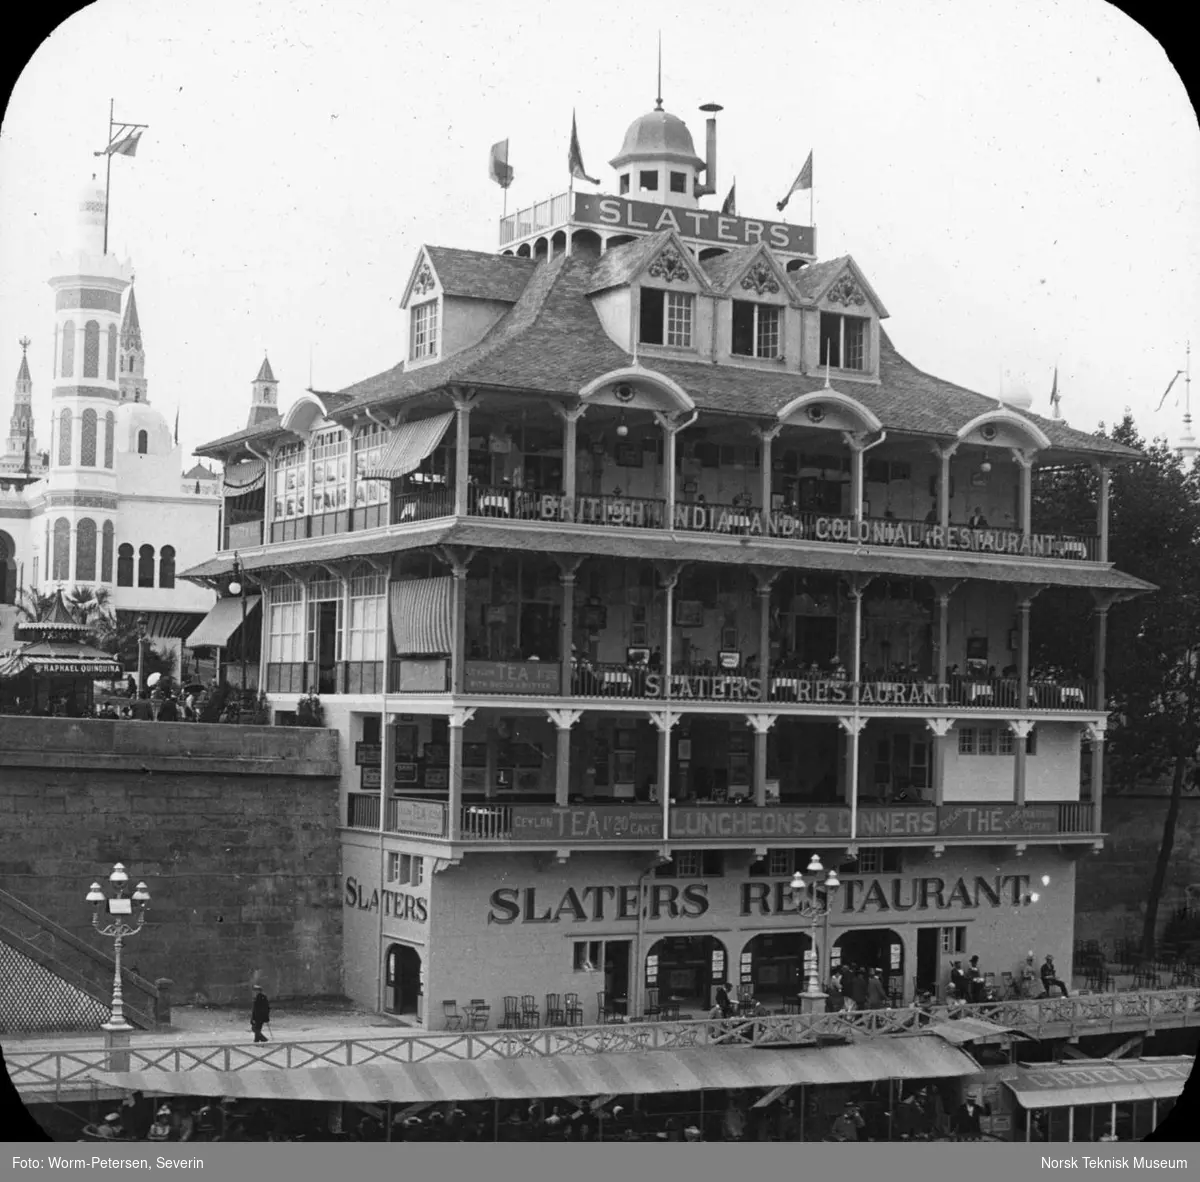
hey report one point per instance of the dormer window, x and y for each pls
(624, 183)
(424, 331)
(679, 182)
(755, 329)
(843, 341)
(648, 181)
(666, 318)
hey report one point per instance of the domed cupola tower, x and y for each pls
(658, 161)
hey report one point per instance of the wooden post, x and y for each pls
(571, 416)
(942, 729)
(944, 455)
(457, 720)
(762, 724)
(568, 566)
(767, 435)
(1021, 729)
(855, 444)
(563, 720)
(462, 445)
(1024, 460)
(1096, 735)
(1102, 513)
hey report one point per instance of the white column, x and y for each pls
(761, 724)
(664, 721)
(853, 727)
(855, 444)
(563, 721)
(462, 443)
(1021, 728)
(943, 729)
(1102, 513)
(570, 416)
(458, 719)
(1024, 460)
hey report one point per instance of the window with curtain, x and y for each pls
(64, 437)
(367, 632)
(145, 566)
(91, 349)
(368, 452)
(290, 481)
(111, 366)
(125, 565)
(285, 624)
(166, 566)
(106, 552)
(85, 550)
(330, 471)
(62, 549)
(68, 349)
(110, 438)
(87, 438)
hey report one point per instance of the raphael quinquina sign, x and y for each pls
(858, 896)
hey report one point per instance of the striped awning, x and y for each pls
(1100, 1081)
(245, 477)
(410, 444)
(222, 622)
(51, 658)
(568, 1075)
(421, 616)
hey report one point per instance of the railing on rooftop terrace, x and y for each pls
(545, 215)
(70, 1071)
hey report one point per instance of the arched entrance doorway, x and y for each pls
(8, 569)
(873, 948)
(687, 969)
(775, 966)
(402, 979)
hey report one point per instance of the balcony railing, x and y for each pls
(486, 822)
(241, 535)
(422, 506)
(545, 215)
(362, 810)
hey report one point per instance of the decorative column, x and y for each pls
(1023, 458)
(671, 426)
(1095, 732)
(943, 731)
(563, 721)
(458, 559)
(669, 572)
(853, 727)
(387, 767)
(767, 436)
(764, 580)
(856, 584)
(855, 442)
(664, 721)
(463, 401)
(942, 590)
(568, 565)
(457, 719)
(570, 416)
(1021, 728)
(762, 724)
(944, 455)
(1102, 512)
(1026, 593)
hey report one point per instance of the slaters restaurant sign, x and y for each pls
(708, 225)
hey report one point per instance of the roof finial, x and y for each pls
(24, 342)
(658, 101)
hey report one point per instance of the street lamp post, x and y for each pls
(143, 625)
(810, 906)
(238, 587)
(124, 916)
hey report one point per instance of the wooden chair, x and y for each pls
(554, 1010)
(529, 1012)
(478, 1016)
(653, 1009)
(454, 1020)
(573, 1011)
(512, 1014)
(669, 1011)
(603, 1010)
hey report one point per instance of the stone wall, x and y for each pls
(1113, 884)
(234, 830)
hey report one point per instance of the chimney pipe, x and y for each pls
(710, 165)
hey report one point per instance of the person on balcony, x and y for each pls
(958, 979)
(877, 998)
(974, 980)
(977, 519)
(1050, 977)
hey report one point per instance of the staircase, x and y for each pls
(54, 981)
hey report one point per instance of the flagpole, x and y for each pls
(108, 172)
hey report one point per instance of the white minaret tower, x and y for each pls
(264, 396)
(88, 284)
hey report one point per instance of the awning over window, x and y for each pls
(1101, 1081)
(221, 623)
(245, 477)
(568, 1075)
(421, 617)
(410, 444)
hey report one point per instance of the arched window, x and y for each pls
(64, 437)
(68, 350)
(85, 550)
(87, 439)
(146, 566)
(62, 550)
(125, 565)
(91, 349)
(8, 569)
(110, 435)
(106, 552)
(143, 443)
(111, 370)
(166, 566)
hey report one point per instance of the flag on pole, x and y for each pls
(1170, 386)
(177, 422)
(800, 184)
(1055, 397)
(729, 205)
(124, 143)
(575, 157)
(499, 169)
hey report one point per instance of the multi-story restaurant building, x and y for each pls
(650, 572)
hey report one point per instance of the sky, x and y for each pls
(1019, 181)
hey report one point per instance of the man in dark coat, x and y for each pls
(959, 980)
(1050, 977)
(858, 987)
(260, 1015)
(968, 1118)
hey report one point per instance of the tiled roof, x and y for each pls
(721, 268)
(808, 281)
(199, 472)
(131, 326)
(264, 371)
(479, 275)
(23, 372)
(622, 263)
(551, 342)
